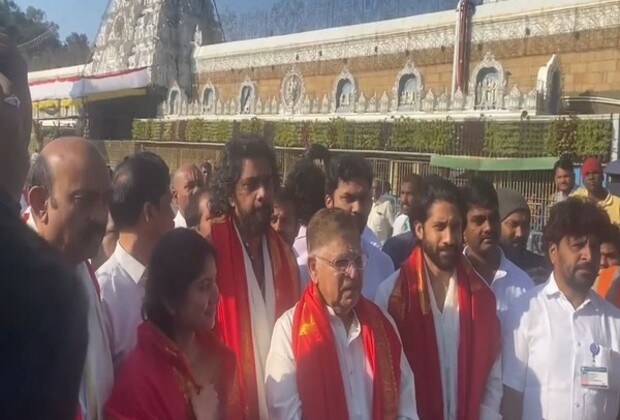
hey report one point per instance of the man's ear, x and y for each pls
(312, 269)
(329, 201)
(39, 201)
(553, 253)
(148, 211)
(175, 196)
(418, 228)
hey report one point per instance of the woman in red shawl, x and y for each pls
(179, 370)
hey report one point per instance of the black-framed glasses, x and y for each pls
(344, 265)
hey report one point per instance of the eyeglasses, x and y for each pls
(344, 265)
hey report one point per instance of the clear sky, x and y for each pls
(84, 16)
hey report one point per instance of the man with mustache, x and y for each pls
(446, 315)
(561, 341)
(514, 213)
(142, 213)
(592, 172)
(335, 354)
(482, 228)
(69, 195)
(564, 178)
(399, 246)
(187, 180)
(256, 270)
(348, 181)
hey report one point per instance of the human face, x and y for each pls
(108, 243)
(340, 290)
(204, 226)
(593, 180)
(198, 310)
(352, 197)
(441, 235)
(610, 255)
(161, 217)
(253, 200)
(564, 180)
(186, 184)
(284, 221)
(76, 211)
(576, 262)
(515, 232)
(376, 189)
(482, 230)
(206, 174)
(408, 198)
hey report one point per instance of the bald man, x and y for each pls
(70, 190)
(186, 182)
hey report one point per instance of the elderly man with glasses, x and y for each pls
(335, 354)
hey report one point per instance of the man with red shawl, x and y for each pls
(445, 314)
(335, 355)
(257, 274)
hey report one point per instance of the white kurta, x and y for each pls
(447, 330)
(98, 376)
(262, 315)
(281, 381)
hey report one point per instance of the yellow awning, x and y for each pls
(104, 96)
(51, 103)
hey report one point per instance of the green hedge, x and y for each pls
(563, 136)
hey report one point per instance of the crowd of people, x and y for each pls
(229, 292)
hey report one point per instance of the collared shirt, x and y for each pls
(281, 382)
(179, 221)
(378, 268)
(509, 283)
(401, 225)
(122, 290)
(301, 245)
(611, 204)
(381, 219)
(372, 239)
(446, 329)
(546, 343)
(559, 196)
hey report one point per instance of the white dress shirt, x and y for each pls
(401, 225)
(179, 221)
(509, 283)
(378, 268)
(381, 219)
(546, 344)
(301, 245)
(122, 291)
(447, 330)
(281, 382)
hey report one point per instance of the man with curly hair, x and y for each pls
(256, 270)
(561, 341)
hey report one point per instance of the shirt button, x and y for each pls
(577, 405)
(578, 343)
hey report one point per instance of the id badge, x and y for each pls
(594, 377)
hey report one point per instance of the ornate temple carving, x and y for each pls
(407, 89)
(487, 84)
(344, 92)
(208, 99)
(247, 97)
(292, 91)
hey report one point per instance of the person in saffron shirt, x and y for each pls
(445, 314)
(257, 274)
(179, 369)
(335, 355)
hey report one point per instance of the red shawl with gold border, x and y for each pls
(479, 341)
